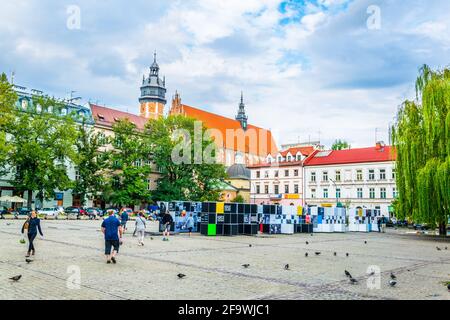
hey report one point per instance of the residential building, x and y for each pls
(357, 178)
(280, 178)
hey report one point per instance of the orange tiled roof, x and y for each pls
(107, 116)
(306, 151)
(221, 123)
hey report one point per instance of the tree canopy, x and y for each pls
(421, 136)
(340, 145)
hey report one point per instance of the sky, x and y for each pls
(309, 69)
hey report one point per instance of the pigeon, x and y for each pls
(246, 265)
(28, 260)
(335, 254)
(307, 242)
(317, 253)
(286, 267)
(392, 283)
(438, 249)
(151, 238)
(353, 281)
(393, 277)
(181, 276)
(445, 248)
(306, 254)
(250, 245)
(448, 287)
(346, 254)
(311, 234)
(365, 242)
(372, 273)
(348, 274)
(16, 278)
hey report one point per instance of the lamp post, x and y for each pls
(335, 187)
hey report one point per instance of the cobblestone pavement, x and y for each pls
(213, 266)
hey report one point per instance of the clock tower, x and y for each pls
(153, 94)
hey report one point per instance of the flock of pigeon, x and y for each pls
(392, 281)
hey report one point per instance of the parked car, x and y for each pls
(421, 227)
(24, 211)
(49, 212)
(93, 213)
(3, 211)
(78, 211)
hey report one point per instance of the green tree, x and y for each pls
(421, 136)
(340, 145)
(239, 199)
(91, 161)
(42, 146)
(8, 98)
(193, 180)
(130, 163)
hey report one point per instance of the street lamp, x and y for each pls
(335, 187)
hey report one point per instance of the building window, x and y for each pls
(138, 163)
(258, 174)
(313, 177)
(299, 157)
(280, 159)
(359, 175)
(338, 175)
(313, 193)
(325, 176)
(149, 184)
(371, 174)
(394, 192)
(289, 158)
(266, 189)
(393, 174)
(286, 173)
(266, 174)
(338, 193)
(64, 112)
(38, 108)
(382, 174)
(277, 189)
(296, 173)
(116, 182)
(286, 188)
(258, 189)
(325, 193)
(296, 188)
(383, 193)
(372, 193)
(77, 175)
(276, 173)
(359, 193)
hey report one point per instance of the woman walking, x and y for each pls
(140, 228)
(32, 225)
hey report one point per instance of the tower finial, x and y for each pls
(242, 96)
(154, 56)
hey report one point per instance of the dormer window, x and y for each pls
(101, 117)
(116, 119)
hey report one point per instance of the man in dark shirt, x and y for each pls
(112, 230)
(167, 222)
(124, 219)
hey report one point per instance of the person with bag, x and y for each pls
(32, 225)
(140, 228)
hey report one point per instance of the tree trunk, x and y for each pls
(442, 229)
(30, 198)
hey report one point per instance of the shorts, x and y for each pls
(109, 244)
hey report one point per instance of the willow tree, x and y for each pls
(421, 136)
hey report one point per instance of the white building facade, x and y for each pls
(356, 178)
(280, 179)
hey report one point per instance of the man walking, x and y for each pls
(112, 229)
(167, 222)
(124, 219)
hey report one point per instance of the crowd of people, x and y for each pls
(113, 228)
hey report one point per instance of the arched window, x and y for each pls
(64, 111)
(38, 108)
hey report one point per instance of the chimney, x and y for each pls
(379, 146)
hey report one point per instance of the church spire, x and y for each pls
(241, 116)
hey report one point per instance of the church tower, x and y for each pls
(241, 116)
(153, 94)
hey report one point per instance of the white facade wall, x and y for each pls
(350, 184)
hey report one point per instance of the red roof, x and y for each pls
(107, 117)
(306, 151)
(215, 121)
(360, 155)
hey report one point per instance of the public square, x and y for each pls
(213, 265)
